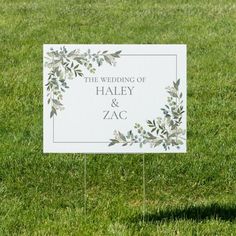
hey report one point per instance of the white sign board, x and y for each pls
(114, 98)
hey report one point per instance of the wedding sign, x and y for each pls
(114, 98)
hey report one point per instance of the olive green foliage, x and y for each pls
(165, 131)
(64, 65)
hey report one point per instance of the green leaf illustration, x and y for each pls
(165, 131)
(65, 65)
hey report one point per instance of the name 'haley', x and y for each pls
(123, 90)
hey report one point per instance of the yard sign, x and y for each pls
(114, 98)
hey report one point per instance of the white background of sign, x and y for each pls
(80, 128)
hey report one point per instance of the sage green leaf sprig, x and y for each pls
(165, 131)
(65, 65)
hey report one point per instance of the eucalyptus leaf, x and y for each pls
(166, 130)
(64, 65)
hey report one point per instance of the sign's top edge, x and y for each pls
(101, 44)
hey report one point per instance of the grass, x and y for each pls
(187, 194)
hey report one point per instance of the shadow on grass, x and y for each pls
(194, 213)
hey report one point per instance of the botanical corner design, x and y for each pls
(65, 65)
(165, 131)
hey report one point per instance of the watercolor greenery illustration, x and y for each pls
(65, 65)
(163, 131)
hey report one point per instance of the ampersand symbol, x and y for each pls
(114, 103)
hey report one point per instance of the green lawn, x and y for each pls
(187, 194)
